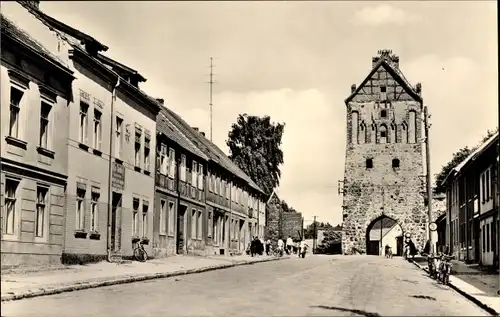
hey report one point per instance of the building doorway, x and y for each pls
(382, 232)
(181, 229)
(116, 205)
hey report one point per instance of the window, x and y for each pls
(488, 185)
(171, 218)
(383, 113)
(199, 227)
(193, 224)
(147, 142)
(483, 187)
(80, 209)
(383, 89)
(163, 160)
(171, 163)
(210, 224)
(94, 212)
(16, 96)
(193, 174)
(118, 137)
(41, 203)
(200, 176)
(145, 208)
(209, 177)
(395, 163)
(97, 129)
(163, 217)
(82, 132)
(137, 147)
(383, 134)
(221, 191)
(135, 217)
(183, 167)
(10, 206)
(228, 190)
(216, 184)
(44, 124)
(369, 163)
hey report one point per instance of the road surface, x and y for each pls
(314, 286)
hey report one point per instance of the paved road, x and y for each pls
(316, 285)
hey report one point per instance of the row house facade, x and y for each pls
(34, 127)
(228, 198)
(109, 139)
(472, 194)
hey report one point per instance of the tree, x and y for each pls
(254, 143)
(331, 243)
(458, 157)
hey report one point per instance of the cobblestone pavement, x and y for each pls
(316, 285)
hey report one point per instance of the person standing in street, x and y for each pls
(289, 245)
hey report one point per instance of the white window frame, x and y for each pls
(209, 177)
(171, 218)
(194, 223)
(210, 223)
(183, 167)
(137, 147)
(145, 217)
(163, 217)
(41, 212)
(163, 159)
(80, 209)
(97, 129)
(194, 169)
(171, 163)
(83, 123)
(118, 136)
(199, 225)
(147, 153)
(200, 176)
(11, 222)
(136, 205)
(44, 135)
(94, 211)
(15, 112)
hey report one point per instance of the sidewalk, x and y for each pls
(479, 286)
(28, 283)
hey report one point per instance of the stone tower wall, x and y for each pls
(396, 192)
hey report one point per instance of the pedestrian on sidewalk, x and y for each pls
(280, 246)
(289, 245)
(268, 246)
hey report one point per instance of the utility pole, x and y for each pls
(314, 235)
(210, 102)
(429, 184)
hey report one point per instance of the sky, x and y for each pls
(296, 61)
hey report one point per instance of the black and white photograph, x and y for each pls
(249, 158)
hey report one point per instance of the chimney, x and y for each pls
(196, 129)
(161, 101)
(202, 133)
(353, 88)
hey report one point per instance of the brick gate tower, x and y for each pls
(384, 156)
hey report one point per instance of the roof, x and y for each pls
(65, 28)
(10, 29)
(165, 126)
(472, 157)
(109, 61)
(394, 70)
(210, 149)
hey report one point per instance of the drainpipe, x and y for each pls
(113, 96)
(230, 214)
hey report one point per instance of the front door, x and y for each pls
(486, 241)
(399, 248)
(180, 229)
(116, 204)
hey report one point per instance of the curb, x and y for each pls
(125, 280)
(465, 294)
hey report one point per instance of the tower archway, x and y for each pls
(381, 232)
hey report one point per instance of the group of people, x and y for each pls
(257, 247)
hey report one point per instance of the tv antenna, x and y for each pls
(211, 82)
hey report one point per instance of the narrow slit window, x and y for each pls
(395, 163)
(369, 163)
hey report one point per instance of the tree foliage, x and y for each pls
(309, 230)
(331, 243)
(254, 143)
(458, 158)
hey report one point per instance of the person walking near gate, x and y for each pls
(289, 245)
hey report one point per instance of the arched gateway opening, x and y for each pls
(381, 232)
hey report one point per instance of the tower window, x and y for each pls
(369, 163)
(383, 89)
(383, 134)
(395, 163)
(383, 113)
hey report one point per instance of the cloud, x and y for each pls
(383, 14)
(313, 142)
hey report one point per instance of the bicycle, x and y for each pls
(140, 253)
